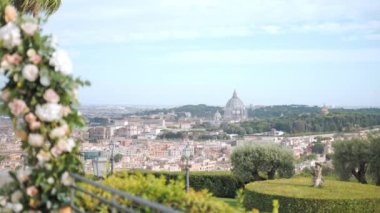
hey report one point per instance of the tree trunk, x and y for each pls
(360, 174)
(271, 174)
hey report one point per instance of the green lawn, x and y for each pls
(301, 188)
(230, 201)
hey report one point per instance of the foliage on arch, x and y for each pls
(40, 96)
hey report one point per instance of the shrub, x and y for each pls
(297, 195)
(220, 184)
(148, 186)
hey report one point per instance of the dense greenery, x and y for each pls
(318, 148)
(220, 184)
(251, 160)
(159, 190)
(297, 195)
(356, 157)
(282, 111)
(200, 110)
(334, 122)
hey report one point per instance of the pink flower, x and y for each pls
(13, 59)
(35, 125)
(55, 151)
(66, 111)
(30, 117)
(36, 140)
(17, 107)
(51, 96)
(10, 14)
(36, 59)
(29, 28)
(32, 191)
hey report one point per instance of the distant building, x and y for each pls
(235, 110)
(325, 110)
(217, 118)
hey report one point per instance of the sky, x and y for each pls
(170, 52)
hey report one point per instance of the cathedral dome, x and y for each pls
(235, 109)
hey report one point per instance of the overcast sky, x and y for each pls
(171, 52)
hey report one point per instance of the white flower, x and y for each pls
(61, 62)
(43, 156)
(45, 80)
(17, 207)
(30, 72)
(49, 112)
(36, 140)
(50, 180)
(16, 196)
(10, 35)
(23, 174)
(66, 145)
(3, 201)
(55, 151)
(29, 28)
(58, 132)
(66, 179)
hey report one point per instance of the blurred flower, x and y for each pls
(16, 196)
(61, 62)
(35, 125)
(36, 140)
(51, 96)
(17, 107)
(49, 112)
(3, 201)
(50, 180)
(55, 151)
(43, 156)
(45, 80)
(17, 207)
(66, 111)
(10, 35)
(32, 191)
(5, 94)
(23, 174)
(30, 117)
(66, 179)
(29, 28)
(10, 14)
(13, 59)
(59, 132)
(30, 72)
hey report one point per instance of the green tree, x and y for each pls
(318, 148)
(250, 161)
(352, 157)
(374, 168)
(118, 157)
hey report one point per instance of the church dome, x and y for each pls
(235, 102)
(235, 109)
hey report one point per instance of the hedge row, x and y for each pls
(261, 198)
(220, 184)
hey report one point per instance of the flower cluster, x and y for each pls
(40, 98)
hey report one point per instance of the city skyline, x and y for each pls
(198, 52)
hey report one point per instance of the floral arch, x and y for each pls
(40, 96)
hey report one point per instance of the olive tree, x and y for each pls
(374, 163)
(252, 162)
(352, 157)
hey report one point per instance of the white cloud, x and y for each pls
(116, 21)
(247, 56)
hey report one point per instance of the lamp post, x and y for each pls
(112, 147)
(186, 155)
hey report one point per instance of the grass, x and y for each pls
(300, 187)
(230, 201)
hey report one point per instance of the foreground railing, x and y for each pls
(114, 205)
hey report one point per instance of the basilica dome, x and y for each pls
(235, 109)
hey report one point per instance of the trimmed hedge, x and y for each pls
(220, 184)
(297, 195)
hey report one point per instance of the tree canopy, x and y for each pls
(250, 161)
